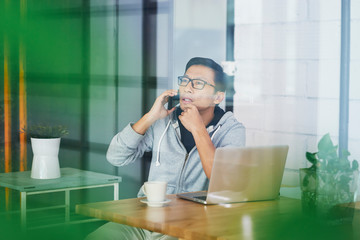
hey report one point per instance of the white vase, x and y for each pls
(45, 163)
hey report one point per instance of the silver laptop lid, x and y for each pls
(246, 174)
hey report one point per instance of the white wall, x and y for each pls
(288, 75)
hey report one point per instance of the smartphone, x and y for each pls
(173, 101)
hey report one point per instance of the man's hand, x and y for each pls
(156, 112)
(191, 119)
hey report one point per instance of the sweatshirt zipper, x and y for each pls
(180, 184)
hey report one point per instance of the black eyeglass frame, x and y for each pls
(192, 83)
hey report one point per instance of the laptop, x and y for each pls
(243, 174)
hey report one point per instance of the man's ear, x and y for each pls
(219, 96)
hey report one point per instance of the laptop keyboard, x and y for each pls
(201, 197)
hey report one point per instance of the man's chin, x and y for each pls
(183, 106)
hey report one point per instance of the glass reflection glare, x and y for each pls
(247, 227)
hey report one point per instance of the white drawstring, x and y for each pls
(215, 132)
(158, 150)
(162, 136)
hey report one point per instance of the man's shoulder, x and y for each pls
(229, 120)
(231, 132)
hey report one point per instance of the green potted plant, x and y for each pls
(45, 143)
(46, 131)
(329, 185)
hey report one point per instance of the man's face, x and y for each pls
(203, 99)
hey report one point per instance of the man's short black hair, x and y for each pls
(207, 62)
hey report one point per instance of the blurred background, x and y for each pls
(96, 65)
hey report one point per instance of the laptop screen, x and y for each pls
(247, 173)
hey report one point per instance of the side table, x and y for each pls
(71, 179)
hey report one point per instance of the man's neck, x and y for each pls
(207, 115)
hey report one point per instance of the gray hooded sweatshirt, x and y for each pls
(170, 161)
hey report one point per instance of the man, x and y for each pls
(183, 140)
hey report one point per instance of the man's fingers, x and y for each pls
(164, 97)
(171, 110)
(170, 92)
(189, 108)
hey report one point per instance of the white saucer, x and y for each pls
(155, 204)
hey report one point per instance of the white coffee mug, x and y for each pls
(155, 191)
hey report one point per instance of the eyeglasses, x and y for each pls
(195, 83)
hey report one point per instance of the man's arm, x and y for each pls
(127, 146)
(158, 111)
(134, 140)
(193, 122)
(205, 148)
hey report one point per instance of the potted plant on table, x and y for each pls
(329, 186)
(45, 143)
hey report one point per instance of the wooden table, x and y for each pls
(278, 219)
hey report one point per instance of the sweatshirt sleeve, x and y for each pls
(128, 145)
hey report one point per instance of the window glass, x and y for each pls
(288, 74)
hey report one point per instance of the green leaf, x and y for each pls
(344, 164)
(311, 157)
(344, 179)
(46, 131)
(327, 150)
(313, 168)
(325, 144)
(355, 165)
(345, 153)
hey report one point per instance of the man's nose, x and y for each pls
(189, 87)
